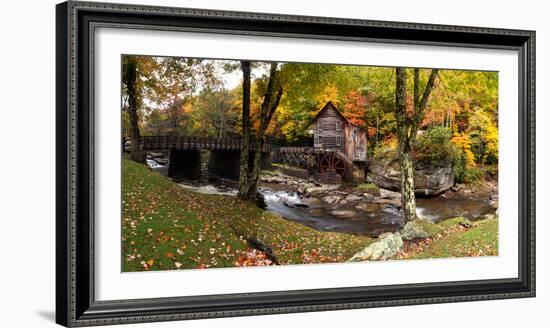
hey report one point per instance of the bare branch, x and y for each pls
(416, 89)
(274, 107)
(269, 90)
(428, 90)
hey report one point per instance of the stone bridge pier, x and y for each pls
(224, 164)
(195, 164)
(185, 163)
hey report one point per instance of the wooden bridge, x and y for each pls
(202, 157)
(150, 143)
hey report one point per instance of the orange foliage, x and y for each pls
(355, 107)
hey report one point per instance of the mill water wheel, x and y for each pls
(333, 161)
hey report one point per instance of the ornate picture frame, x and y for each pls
(77, 22)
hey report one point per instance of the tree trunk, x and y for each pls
(377, 127)
(222, 121)
(408, 201)
(255, 174)
(267, 109)
(407, 127)
(245, 147)
(131, 78)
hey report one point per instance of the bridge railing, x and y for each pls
(305, 150)
(193, 142)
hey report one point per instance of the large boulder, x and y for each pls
(414, 230)
(429, 179)
(387, 246)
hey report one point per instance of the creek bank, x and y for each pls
(454, 238)
(168, 227)
(354, 209)
(457, 237)
(287, 242)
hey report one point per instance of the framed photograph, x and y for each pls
(214, 163)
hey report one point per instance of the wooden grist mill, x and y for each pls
(339, 149)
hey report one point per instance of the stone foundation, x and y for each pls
(358, 171)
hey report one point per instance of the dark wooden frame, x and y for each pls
(75, 303)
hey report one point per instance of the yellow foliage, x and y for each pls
(491, 137)
(390, 143)
(462, 142)
(329, 93)
(289, 129)
(274, 126)
(187, 107)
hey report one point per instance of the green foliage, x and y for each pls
(434, 146)
(465, 173)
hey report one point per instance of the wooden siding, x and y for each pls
(328, 130)
(356, 143)
(332, 131)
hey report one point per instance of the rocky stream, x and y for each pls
(343, 209)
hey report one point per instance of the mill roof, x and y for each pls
(329, 105)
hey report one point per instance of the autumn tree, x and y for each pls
(355, 107)
(267, 109)
(408, 120)
(307, 86)
(211, 112)
(137, 75)
(178, 81)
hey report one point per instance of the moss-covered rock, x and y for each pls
(387, 246)
(414, 230)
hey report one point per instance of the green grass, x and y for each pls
(438, 228)
(166, 227)
(480, 240)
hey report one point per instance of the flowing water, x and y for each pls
(372, 220)
(360, 217)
